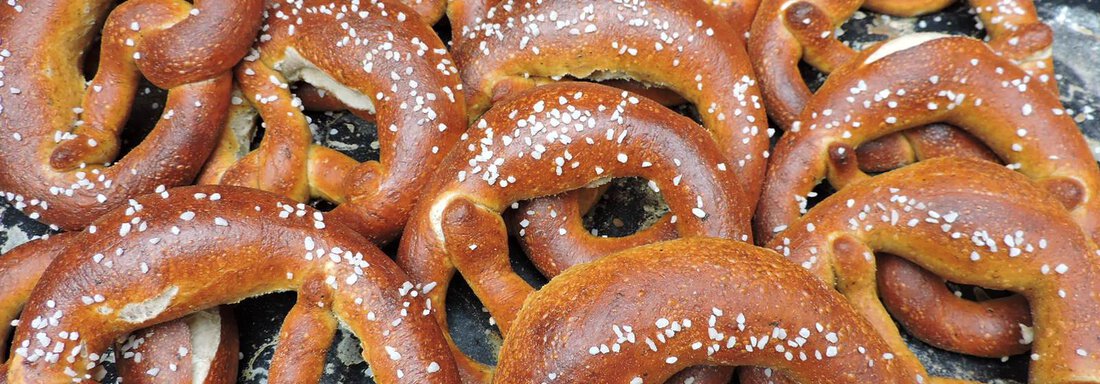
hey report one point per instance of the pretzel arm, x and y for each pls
(645, 294)
(812, 28)
(553, 235)
(256, 240)
(990, 328)
(478, 245)
(937, 214)
(21, 268)
(210, 41)
(304, 339)
(1016, 32)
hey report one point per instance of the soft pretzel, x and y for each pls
(962, 83)
(174, 253)
(199, 348)
(59, 134)
(974, 223)
(640, 315)
(684, 46)
(378, 57)
(788, 32)
(557, 138)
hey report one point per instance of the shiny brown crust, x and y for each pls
(385, 57)
(965, 84)
(22, 267)
(60, 134)
(789, 31)
(786, 32)
(927, 309)
(690, 51)
(948, 79)
(556, 138)
(168, 351)
(686, 47)
(641, 315)
(260, 242)
(970, 222)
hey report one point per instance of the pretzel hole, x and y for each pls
(263, 316)
(629, 205)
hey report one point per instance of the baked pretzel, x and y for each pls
(683, 46)
(687, 302)
(785, 33)
(199, 348)
(972, 222)
(556, 138)
(952, 79)
(61, 134)
(788, 32)
(378, 57)
(142, 267)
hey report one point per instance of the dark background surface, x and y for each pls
(625, 207)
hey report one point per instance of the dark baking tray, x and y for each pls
(625, 208)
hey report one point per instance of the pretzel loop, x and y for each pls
(576, 134)
(385, 61)
(931, 213)
(63, 141)
(260, 242)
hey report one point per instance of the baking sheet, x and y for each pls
(626, 207)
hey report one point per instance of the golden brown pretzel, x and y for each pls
(58, 134)
(556, 138)
(786, 32)
(962, 83)
(378, 57)
(169, 352)
(791, 31)
(195, 240)
(640, 315)
(972, 222)
(683, 46)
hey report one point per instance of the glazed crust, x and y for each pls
(640, 315)
(383, 56)
(260, 242)
(970, 222)
(61, 133)
(577, 134)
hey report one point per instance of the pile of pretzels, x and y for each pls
(952, 160)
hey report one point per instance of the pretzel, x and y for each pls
(499, 57)
(61, 134)
(556, 138)
(689, 302)
(154, 255)
(378, 57)
(787, 32)
(972, 222)
(966, 87)
(169, 352)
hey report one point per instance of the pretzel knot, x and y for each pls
(61, 134)
(261, 243)
(685, 47)
(787, 32)
(549, 140)
(640, 315)
(963, 83)
(377, 57)
(972, 222)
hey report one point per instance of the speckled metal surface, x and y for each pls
(1077, 48)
